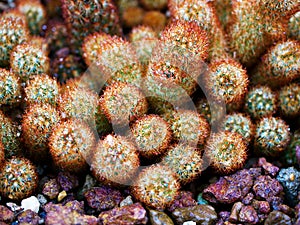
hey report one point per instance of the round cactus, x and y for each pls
(241, 124)
(56, 36)
(289, 100)
(18, 179)
(152, 135)
(10, 135)
(294, 23)
(39, 42)
(103, 125)
(272, 135)
(155, 19)
(35, 14)
(10, 87)
(123, 103)
(42, 89)
(185, 161)
(291, 154)
(226, 81)
(132, 16)
(13, 32)
(71, 144)
(260, 102)
(27, 60)
(37, 125)
(2, 155)
(157, 186)
(115, 160)
(226, 151)
(154, 4)
(188, 126)
(77, 102)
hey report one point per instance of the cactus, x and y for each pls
(18, 179)
(188, 127)
(226, 81)
(71, 144)
(103, 125)
(241, 124)
(10, 135)
(293, 26)
(86, 17)
(155, 19)
(123, 103)
(261, 101)
(152, 135)
(154, 4)
(291, 154)
(40, 43)
(115, 160)
(289, 100)
(203, 13)
(2, 155)
(10, 87)
(185, 161)
(226, 151)
(42, 89)
(13, 32)
(56, 36)
(272, 135)
(27, 60)
(38, 122)
(35, 14)
(223, 11)
(132, 16)
(156, 186)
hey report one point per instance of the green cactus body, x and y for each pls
(202, 12)
(28, 60)
(9, 136)
(13, 32)
(35, 14)
(279, 65)
(86, 17)
(152, 135)
(157, 186)
(123, 103)
(115, 160)
(10, 88)
(42, 89)
(38, 122)
(272, 135)
(293, 26)
(290, 153)
(103, 125)
(223, 10)
(241, 124)
(18, 179)
(289, 100)
(185, 161)
(260, 102)
(71, 144)
(226, 151)
(226, 81)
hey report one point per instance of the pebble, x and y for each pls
(269, 168)
(159, 218)
(13, 206)
(31, 203)
(61, 195)
(248, 215)
(201, 214)
(6, 215)
(51, 188)
(184, 199)
(42, 199)
(265, 182)
(126, 201)
(28, 217)
(67, 181)
(278, 218)
(189, 223)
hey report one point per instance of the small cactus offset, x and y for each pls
(289, 100)
(152, 135)
(35, 14)
(42, 89)
(10, 88)
(157, 186)
(226, 151)
(27, 60)
(293, 26)
(18, 179)
(115, 161)
(261, 101)
(13, 32)
(71, 144)
(185, 161)
(272, 135)
(86, 17)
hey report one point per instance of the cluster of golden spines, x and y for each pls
(71, 144)
(289, 100)
(10, 87)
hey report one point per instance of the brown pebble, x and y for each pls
(248, 215)
(235, 211)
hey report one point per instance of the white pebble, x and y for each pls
(31, 203)
(189, 223)
(13, 206)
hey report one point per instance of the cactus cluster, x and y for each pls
(10, 88)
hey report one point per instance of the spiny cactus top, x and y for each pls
(226, 151)
(13, 31)
(86, 17)
(157, 186)
(35, 14)
(289, 100)
(115, 160)
(293, 26)
(18, 179)
(27, 60)
(226, 81)
(71, 144)
(10, 87)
